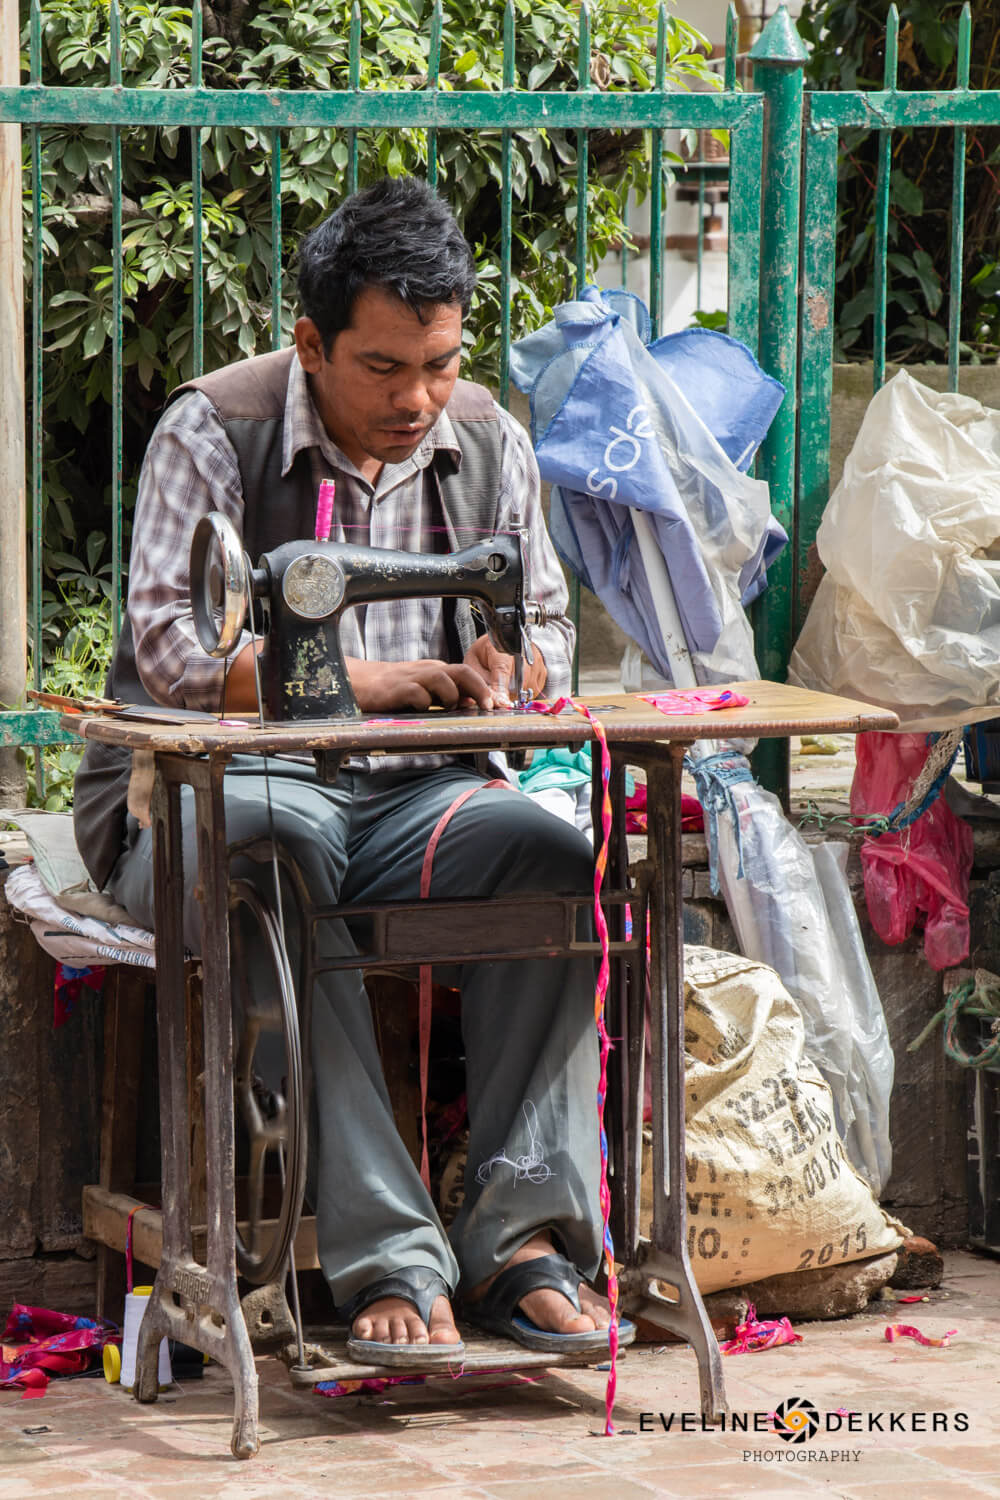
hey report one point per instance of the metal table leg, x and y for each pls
(196, 1304)
(664, 1257)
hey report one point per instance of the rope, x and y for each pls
(927, 787)
(979, 1000)
(600, 999)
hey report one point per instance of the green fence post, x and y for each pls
(779, 57)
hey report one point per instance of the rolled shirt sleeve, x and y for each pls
(190, 469)
(520, 500)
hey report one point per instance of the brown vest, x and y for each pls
(250, 399)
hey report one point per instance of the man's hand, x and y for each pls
(498, 669)
(381, 686)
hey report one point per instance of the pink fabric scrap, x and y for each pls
(896, 1331)
(752, 1335)
(694, 700)
(55, 1344)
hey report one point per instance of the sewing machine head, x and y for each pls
(305, 587)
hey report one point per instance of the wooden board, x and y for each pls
(326, 1351)
(775, 710)
(105, 1221)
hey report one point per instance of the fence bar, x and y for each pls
(116, 335)
(656, 183)
(819, 269)
(37, 378)
(197, 248)
(745, 145)
(910, 109)
(732, 41)
(276, 284)
(623, 253)
(505, 210)
(354, 81)
(701, 233)
(399, 109)
(883, 183)
(779, 58)
(433, 75)
(582, 151)
(958, 207)
(584, 86)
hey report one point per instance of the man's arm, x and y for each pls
(552, 643)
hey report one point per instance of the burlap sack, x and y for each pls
(769, 1188)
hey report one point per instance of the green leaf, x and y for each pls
(906, 195)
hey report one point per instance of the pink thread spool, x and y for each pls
(324, 510)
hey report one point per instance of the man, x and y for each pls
(423, 462)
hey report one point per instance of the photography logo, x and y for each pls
(796, 1420)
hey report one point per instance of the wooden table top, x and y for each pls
(775, 710)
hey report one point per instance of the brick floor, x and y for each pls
(511, 1439)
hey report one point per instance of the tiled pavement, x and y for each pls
(514, 1440)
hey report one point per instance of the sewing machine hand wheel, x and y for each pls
(268, 1084)
(219, 583)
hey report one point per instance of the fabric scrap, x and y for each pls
(896, 1331)
(753, 1335)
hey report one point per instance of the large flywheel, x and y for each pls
(268, 1084)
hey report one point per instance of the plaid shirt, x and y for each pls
(190, 469)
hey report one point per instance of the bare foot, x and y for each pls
(393, 1320)
(547, 1308)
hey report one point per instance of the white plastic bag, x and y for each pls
(794, 912)
(908, 614)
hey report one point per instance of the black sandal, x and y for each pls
(498, 1311)
(421, 1287)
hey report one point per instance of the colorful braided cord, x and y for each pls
(600, 998)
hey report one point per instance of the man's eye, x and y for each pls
(381, 369)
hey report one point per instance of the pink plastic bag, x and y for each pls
(924, 869)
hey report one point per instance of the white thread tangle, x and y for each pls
(532, 1167)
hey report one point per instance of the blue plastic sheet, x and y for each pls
(669, 428)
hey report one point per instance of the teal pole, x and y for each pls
(778, 57)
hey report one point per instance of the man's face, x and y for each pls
(388, 376)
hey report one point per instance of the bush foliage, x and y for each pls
(295, 44)
(848, 51)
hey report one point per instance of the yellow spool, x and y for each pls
(112, 1364)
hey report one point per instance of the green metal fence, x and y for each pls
(783, 168)
(432, 109)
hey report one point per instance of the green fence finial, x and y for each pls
(779, 44)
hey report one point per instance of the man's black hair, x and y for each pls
(397, 235)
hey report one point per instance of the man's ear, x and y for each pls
(309, 345)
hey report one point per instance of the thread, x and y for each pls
(600, 999)
(121, 1369)
(324, 510)
(532, 1166)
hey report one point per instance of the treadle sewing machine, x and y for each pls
(304, 588)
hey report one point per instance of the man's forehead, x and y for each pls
(379, 307)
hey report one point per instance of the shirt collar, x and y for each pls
(303, 429)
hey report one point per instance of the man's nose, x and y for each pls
(410, 394)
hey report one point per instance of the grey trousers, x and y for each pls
(528, 1025)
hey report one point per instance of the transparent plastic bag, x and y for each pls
(793, 911)
(922, 872)
(908, 614)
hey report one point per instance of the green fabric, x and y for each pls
(561, 768)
